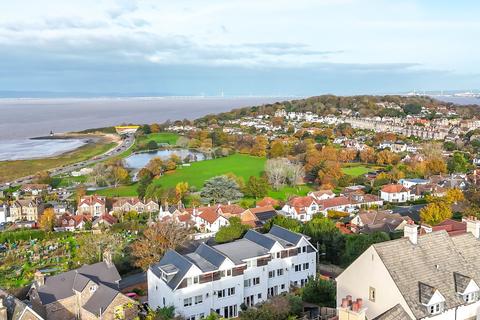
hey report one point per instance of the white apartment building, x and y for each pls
(220, 278)
(432, 276)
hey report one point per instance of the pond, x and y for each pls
(140, 160)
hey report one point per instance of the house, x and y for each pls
(432, 276)
(208, 219)
(408, 183)
(452, 227)
(371, 221)
(89, 292)
(267, 201)
(221, 278)
(12, 308)
(321, 194)
(4, 214)
(257, 217)
(106, 220)
(70, 222)
(394, 193)
(421, 190)
(25, 210)
(92, 205)
(134, 204)
(35, 188)
(301, 208)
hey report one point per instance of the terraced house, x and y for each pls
(220, 278)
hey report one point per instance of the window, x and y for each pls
(271, 274)
(251, 263)
(299, 250)
(259, 296)
(371, 294)
(306, 266)
(282, 286)
(279, 272)
(198, 299)
(201, 315)
(298, 267)
(247, 283)
(222, 273)
(221, 293)
(304, 249)
(256, 281)
(435, 308)
(231, 291)
(470, 297)
(187, 302)
(278, 255)
(164, 301)
(229, 272)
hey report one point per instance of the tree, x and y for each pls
(80, 191)
(256, 187)
(387, 157)
(259, 148)
(143, 184)
(327, 237)
(356, 244)
(277, 149)
(436, 211)
(155, 241)
(235, 230)
(281, 171)
(412, 108)
(457, 163)
(367, 155)
(47, 219)
(155, 166)
(220, 189)
(92, 246)
(146, 129)
(151, 145)
(181, 190)
(435, 166)
(155, 128)
(43, 177)
(120, 175)
(329, 174)
(284, 222)
(454, 195)
(321, 292)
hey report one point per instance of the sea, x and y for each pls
(23, 119)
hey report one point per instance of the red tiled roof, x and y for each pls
(261, 209)
(394, 188)
(233, 209)
(209, 215)
(322, 192)
(267, 201)
(334, 202)
(451, 226)
(118, 202)
(107, 218)
(90, 200)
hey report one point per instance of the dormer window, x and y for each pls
(435, 308)
(470, 297)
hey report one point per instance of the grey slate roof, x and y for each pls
(286, 235)
(242, 249)
(461, 282)
(16, 308)
(432, 262)
(173, 257)
(426, 292)
(260, 239)
(100, 300)
(62, 286)
(395, 313)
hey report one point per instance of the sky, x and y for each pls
(240, 47)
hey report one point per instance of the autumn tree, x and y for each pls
(155, 166)
(436, 211)
(367, 155)
(47, 219)
(43, 177)
(181, 190)
(435, 166)
(259, 148)
(387, 157)
(156, 240)
(256, 187)
(92, 246)
(155, 128)
(277, 149)
(329, 174)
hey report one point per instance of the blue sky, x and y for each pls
(259, 47)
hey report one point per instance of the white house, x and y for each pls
(322, 194)
(301, 208)
(207, 219)
(408, 183)
(433, 276)
(220, 278)
(394, 193)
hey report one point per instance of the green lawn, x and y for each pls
(286, 192)
(161, 137)
(355, 170)
(241, 165)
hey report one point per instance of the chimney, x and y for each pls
(352, 310)
(473, 225)
(3, 310)
(39, 278)
(107, 258)
(410, 231)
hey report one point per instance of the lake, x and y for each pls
(140, 160)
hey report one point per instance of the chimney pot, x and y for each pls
(355, 307)
(344, 303)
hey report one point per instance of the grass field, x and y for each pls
(355, 170)
(161, 137)
(10, 170)
(241, 165)
(286, 192)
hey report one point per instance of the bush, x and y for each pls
(321, 292)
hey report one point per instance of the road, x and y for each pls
(126, 143)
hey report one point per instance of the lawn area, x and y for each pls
(286, 192)
(10, 170)
(355, 171)
(161, 137)
(241, 165)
